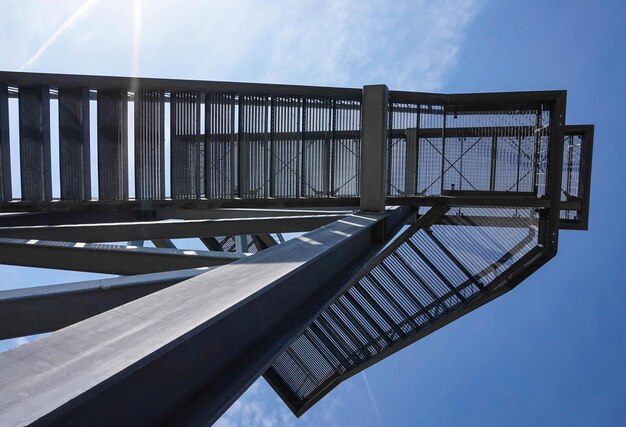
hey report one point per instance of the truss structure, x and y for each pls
(410, 210)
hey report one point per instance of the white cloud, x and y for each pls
(409, 45)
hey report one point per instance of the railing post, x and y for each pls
(374, 148)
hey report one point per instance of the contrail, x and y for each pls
(369, 391)
(67, 24)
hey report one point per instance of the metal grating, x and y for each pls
(346, 149)
(35, 156)
(317, 131)
(254, 146)
(150, 145)
(112, 144)
(422, 280)
(186, 146)
(221, 149)
(433, 149)
(286, 147)
(74, 150)
(576, 176)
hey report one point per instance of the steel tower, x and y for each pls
(412, 209)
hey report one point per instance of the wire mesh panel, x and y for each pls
(346, 149)
(35, 160)
(576, 176)
(402, 149)
(428, 277)
(5, 147)
(220, 149)
(446, 149)
(112, 144)
(186, 146)
(571, 173)
(254, 147)
(74, 144)
(515, 163)
(316, 151)
(150, 145)
(430, 150)
(286, 147)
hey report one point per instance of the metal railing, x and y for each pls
(109, 140)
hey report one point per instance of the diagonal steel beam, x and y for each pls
(48, 308)
(40, 309)
(195, 346)
(108, 259)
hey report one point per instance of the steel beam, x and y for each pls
(182, 355)
(43, 309)
(105, 82)
(108, 259)
(116, 205)
(174, 229)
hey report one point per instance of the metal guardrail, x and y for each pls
(158, 140)
(431, 274)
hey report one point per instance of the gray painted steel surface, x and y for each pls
(194, 337)
(483, 182)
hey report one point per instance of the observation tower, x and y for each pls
(338, 225)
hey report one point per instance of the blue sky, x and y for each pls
(551, 352)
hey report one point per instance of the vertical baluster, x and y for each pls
(5, 147)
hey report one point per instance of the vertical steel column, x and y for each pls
(242, 147)
(443, 150)
(494, 157)
(35, 162)
(373, 148)
(555, 169)
(74, 160)
(5, 147)
(113, 144)
(410, 170)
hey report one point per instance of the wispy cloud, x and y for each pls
(371, 396)
(73, 18)
(406, 44)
